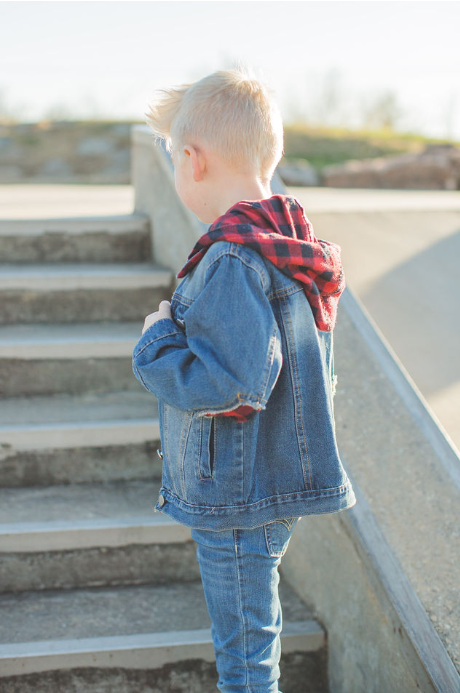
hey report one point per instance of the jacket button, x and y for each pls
(161, 500)
(160, 454)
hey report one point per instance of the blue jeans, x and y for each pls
(239, 571)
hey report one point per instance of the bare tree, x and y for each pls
(383, 111)
(328, 101)
(8, 114)
(450, 115)
(58, 111)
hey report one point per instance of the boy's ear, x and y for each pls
(197, 160)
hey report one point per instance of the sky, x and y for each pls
(327, 62)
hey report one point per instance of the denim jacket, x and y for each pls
(243, 333)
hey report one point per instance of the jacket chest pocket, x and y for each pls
(207, 447)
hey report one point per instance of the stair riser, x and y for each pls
(136, 564)
(90, 247)
(80, 306)
(79, 465)
(66, 376)
(301, 672)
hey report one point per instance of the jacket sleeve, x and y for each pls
(230, 353)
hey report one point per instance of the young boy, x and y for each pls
(241, 362)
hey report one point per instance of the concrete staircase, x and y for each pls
(98, 594)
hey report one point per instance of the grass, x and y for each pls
(322, 146)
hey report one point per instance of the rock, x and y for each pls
(95, 146)
(118, 168)
(14, 153)
(436, 168)
(439, 149)
(10, 173)
(118, 163)
(121, 130)
(298, 172)
(5, 143)
(22, 128)
(56, 167)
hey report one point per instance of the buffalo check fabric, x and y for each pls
(278, 229)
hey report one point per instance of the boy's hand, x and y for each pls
(164, 311)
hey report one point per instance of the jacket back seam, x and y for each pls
(297, 400)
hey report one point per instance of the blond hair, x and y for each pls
(231, 111)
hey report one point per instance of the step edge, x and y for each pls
(115, 224)
(72, 277)
(36, 343)
(62, 349)
(78, 434)
(137, 651)
(74, 351)
(115, 532)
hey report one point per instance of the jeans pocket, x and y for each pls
(278, 534)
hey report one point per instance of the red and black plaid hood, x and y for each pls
(278, 229)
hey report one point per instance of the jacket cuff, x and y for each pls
(242, 413)
(160, 329)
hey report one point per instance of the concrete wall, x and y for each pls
(381, 576)
(174, 228)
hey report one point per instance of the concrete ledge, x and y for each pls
(82, 536)
(80, 341)
(36, 537)
(79, 435)
(79, 421)
(138, 651)
(110, 224)
(80, 409)
(35, 342)
(421, 646)
(380, 639)
(72, 277)
(338, 200)
(382, 575)
(48, 200)
(78, 465)
(429, 425)
(123, 238)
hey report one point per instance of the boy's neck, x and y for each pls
(236, 190)
(209, 187)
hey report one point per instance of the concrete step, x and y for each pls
(69, 358)
(116, 238)
(90, 535)
(68, 293)
(128, 639)
(67, 439)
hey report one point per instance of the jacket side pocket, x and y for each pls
(207, 447)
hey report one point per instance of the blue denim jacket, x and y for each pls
(243, 333)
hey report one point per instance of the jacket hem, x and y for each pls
(249, 516)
